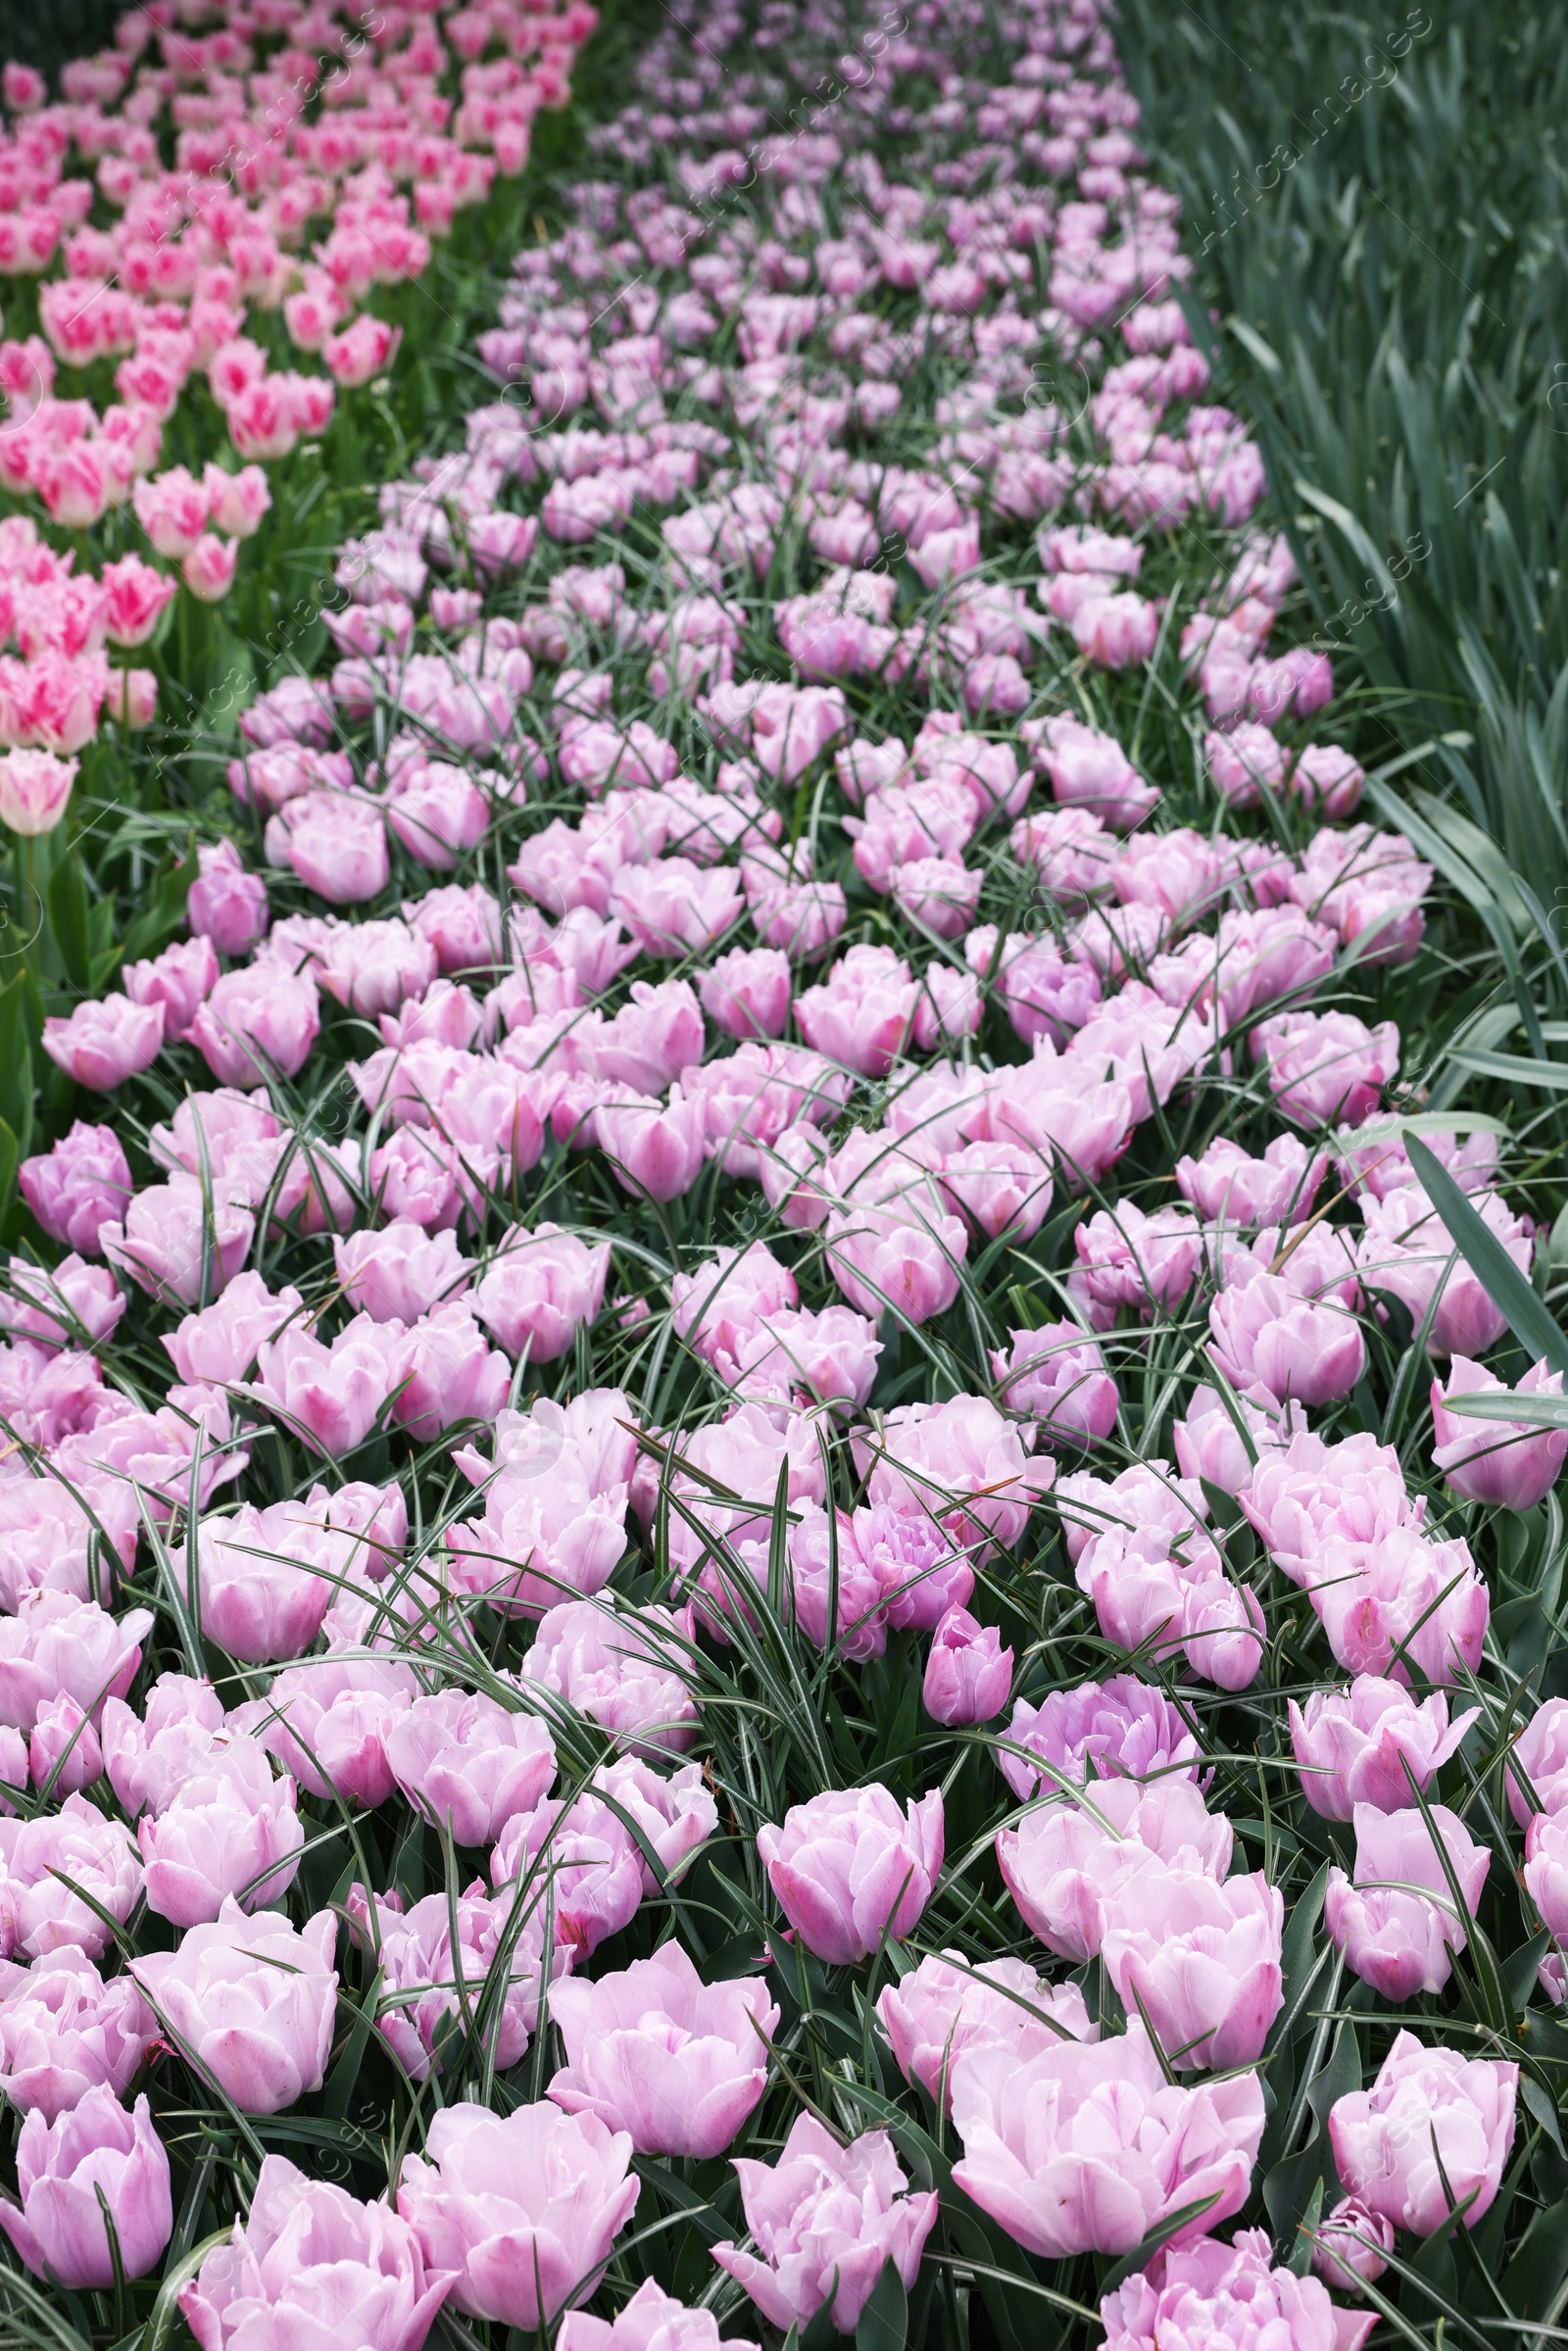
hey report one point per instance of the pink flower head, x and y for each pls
(1351, 1746)
(520, 2210)
(249, 2003)
(1057, 1377)
(1208, 2292)
(826, 2220)
(848, 1869)
(651, 2321)
(1088, 2148)
(92, 2160)
(1199, 1961)
(105, 1041)
(1326, 1066)
(961, 1462)
(1396, 1921)
(1268, 1337)
(654, 2052)
(64, 2031)
(1434, 2126)
(1066, 1864)
(1121, 1729)
(308, 2247)
(79, 1185)
(968, 1673)
(947, 2005)
(464, 1759)
(1510, 1464)
(539, 1286)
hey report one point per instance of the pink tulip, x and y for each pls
(1351, 1745)
(207, 568)
(335, 843)
(1066, 1864)
(1401, 1598)
(1541, 1751)
(329, 1396)
(1352, 2247)
(256, 1021)
(521, 2210)
(249, 2003)
(1432, 2131)
(1108, 1730)
(236, 501)
(655, 2053)
(651, 2321)
(218, 1839)
(1325, 1066)
(64, 2031)
(54, 1642)
(968, 1673)
(180, 1234)
(747, 992)
(92, 2161)
(401, 1272)
(327, 1721)
(1395, 1921)
(949, 2005)
(539, 1286)
(79, 1186)
(267, 1577)
(1116, 632)
(1510, 1464)
(919, 1569)
(366, 348)
(463, 1759)
(848, 1869)
(64, 1752)
(219, 1343)
(630, 1671)
(414, 1954)
(1266, 1336)
(961, 1462)
(826, 2220)
(35, 788)
(67, 1873)
(102, 1042)
(307, 2249)
(173, 509)
(1210, 2292)
(655, 1149)
(227, 904)
(1057, 1375)
(1226, 1186)
(1087, 2149)
(1545, 1871)
(1199, 1962)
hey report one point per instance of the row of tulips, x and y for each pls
(835, 1482)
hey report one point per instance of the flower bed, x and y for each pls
(842, 1616)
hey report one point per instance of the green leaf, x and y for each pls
(163, 906)
(70, 921)
(15, 1061)
(1141, 2255)
(884, 2323)
(1534, 2285)
(1542, 1411)
(1509, 1290)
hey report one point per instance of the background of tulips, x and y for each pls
(836, 1625)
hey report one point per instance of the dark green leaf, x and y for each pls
(884, 2323)
(1509, 1290)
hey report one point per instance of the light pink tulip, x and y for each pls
(826, 2220)
(1351, 1745)
(63, 2031)
(1087, 2149)
(1396, 1921)
(949, 2005)
(93, 2160)
(849, 1869)
(652, 2051)
(309, 2248)
(1208, 2292)
(249, 2003)
(521, 2210)
(1432, 2115)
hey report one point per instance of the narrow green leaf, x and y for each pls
(1508, 1288)
(884, 2323)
